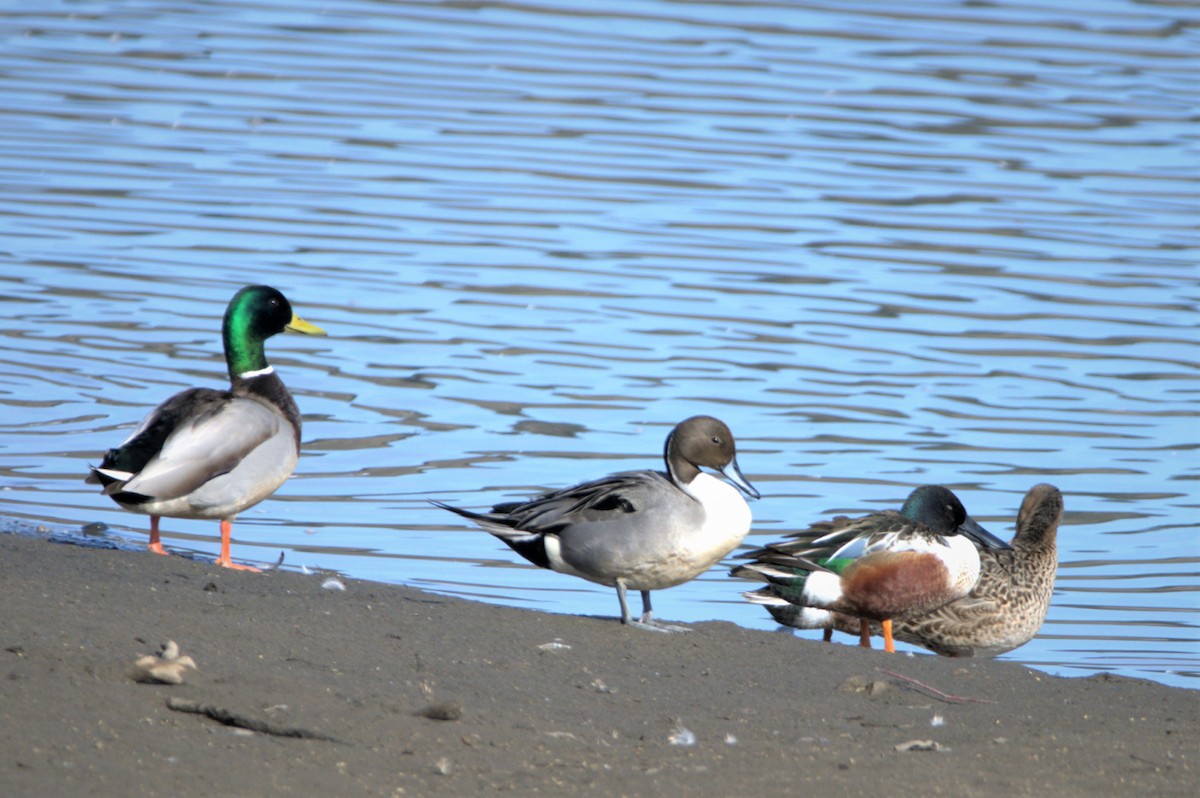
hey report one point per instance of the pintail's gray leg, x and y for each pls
(647, 621)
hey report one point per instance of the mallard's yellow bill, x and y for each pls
(299, 325)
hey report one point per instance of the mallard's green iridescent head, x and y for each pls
(255, 314)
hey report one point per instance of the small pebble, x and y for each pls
(862, 684)
(443, 710)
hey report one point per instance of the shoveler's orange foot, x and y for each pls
(156, 547)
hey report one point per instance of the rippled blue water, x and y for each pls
(953, 242)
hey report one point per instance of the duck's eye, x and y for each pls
(716, 440)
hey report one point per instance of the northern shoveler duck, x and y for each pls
(880, 567)
(645, 530)
(1008, 604)
(205, 453)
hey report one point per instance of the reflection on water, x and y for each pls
(952, 243)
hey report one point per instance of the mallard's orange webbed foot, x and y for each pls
(155, 545)
(225, 561)
(235, 566)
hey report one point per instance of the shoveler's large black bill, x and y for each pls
(975, 532)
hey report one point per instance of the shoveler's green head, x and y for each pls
(937, 508)
(255, 314)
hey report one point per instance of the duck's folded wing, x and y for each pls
(122, 463)
(590, 502)
(844, 537)
(204, 444)
(885, 532)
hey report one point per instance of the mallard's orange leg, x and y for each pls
(888, 643)
(155, 545)
(864, 633)
(225, 561)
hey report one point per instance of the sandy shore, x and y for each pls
(385, 690)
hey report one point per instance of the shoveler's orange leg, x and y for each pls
(888, 643)
(864, 633)
(155, 545)
(225, 561)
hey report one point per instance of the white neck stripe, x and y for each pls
(246, 375)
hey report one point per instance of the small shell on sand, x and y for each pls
(165, 667)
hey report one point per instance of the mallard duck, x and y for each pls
(645, 530)
(1008, 604)
(880, 567)
(205, 453)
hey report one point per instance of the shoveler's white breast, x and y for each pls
(962, 563)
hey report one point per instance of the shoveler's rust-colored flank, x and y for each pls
(887, 584)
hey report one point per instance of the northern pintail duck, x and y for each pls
(645, 530)
(880, 567)
(1008, 604)
(205, 453)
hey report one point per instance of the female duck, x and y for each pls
(205, 453)
(645, 530)
(882, 566)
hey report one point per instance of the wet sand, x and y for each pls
(385, 690)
